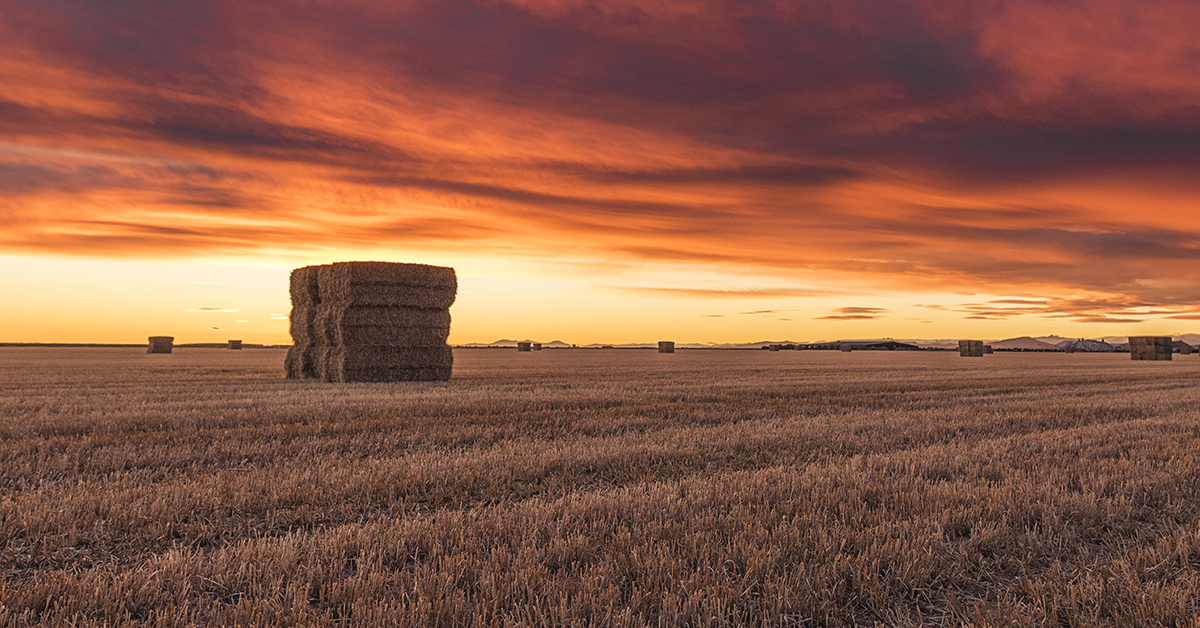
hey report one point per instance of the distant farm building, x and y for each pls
(1182, 348)
(666, 346)
(1150, 347)
(970, 348)
(1086, 346)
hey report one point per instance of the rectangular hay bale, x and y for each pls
(970, 348)
(160, 344)
(339, 275)
(385, 295)
(1150, 348)
(367, 336)
(344, 364)
(666, 346)
(390, 316)
(303, 286)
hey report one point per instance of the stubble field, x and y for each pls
(600, 487)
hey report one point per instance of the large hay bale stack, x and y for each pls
(666, 346)
(371, 322)
(1150, 348)
(970, 348)
(524, 346)
(235, 345)
(160, 344)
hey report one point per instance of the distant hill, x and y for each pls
(1024, 343)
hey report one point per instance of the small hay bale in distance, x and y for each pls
(524, 346)
(970, 348)
(235, 345)
(846, 347)
(160, 344)
(1150, 348)
(774, 347)
(988, 350)
(537, 346)
(666, 346)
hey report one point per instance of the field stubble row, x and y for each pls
(602, 488)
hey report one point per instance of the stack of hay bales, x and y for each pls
(774, 347)
(970, 348)
(846, 348)
(537, 346)
(1150, 347)
(235, 345)
(524, 346)
(666, 346)
(160, 344)
(371, 322)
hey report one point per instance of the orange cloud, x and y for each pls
(1019, 148)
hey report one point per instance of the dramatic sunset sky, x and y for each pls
(619, 171)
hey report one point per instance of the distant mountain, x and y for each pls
(1024, 343)
(506, 342)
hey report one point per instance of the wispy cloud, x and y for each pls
(855, 313)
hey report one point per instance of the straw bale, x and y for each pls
(970, 348)
(332, 314)
(160, 344)
(1150, 348)
(303, 286)
(367, 335)
(666, 346)
(524, 346)
(988, 350)
(397, 374)
(847, 348)
(346, 364)
(336, 277)
(235, 345)
(301, 362)
(302, 325)
(537, 346)
(374, 295)
(775, 347)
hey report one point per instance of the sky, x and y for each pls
(619, 171)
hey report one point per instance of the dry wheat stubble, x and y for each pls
(610, 488)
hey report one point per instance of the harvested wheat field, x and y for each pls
(598, 488)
